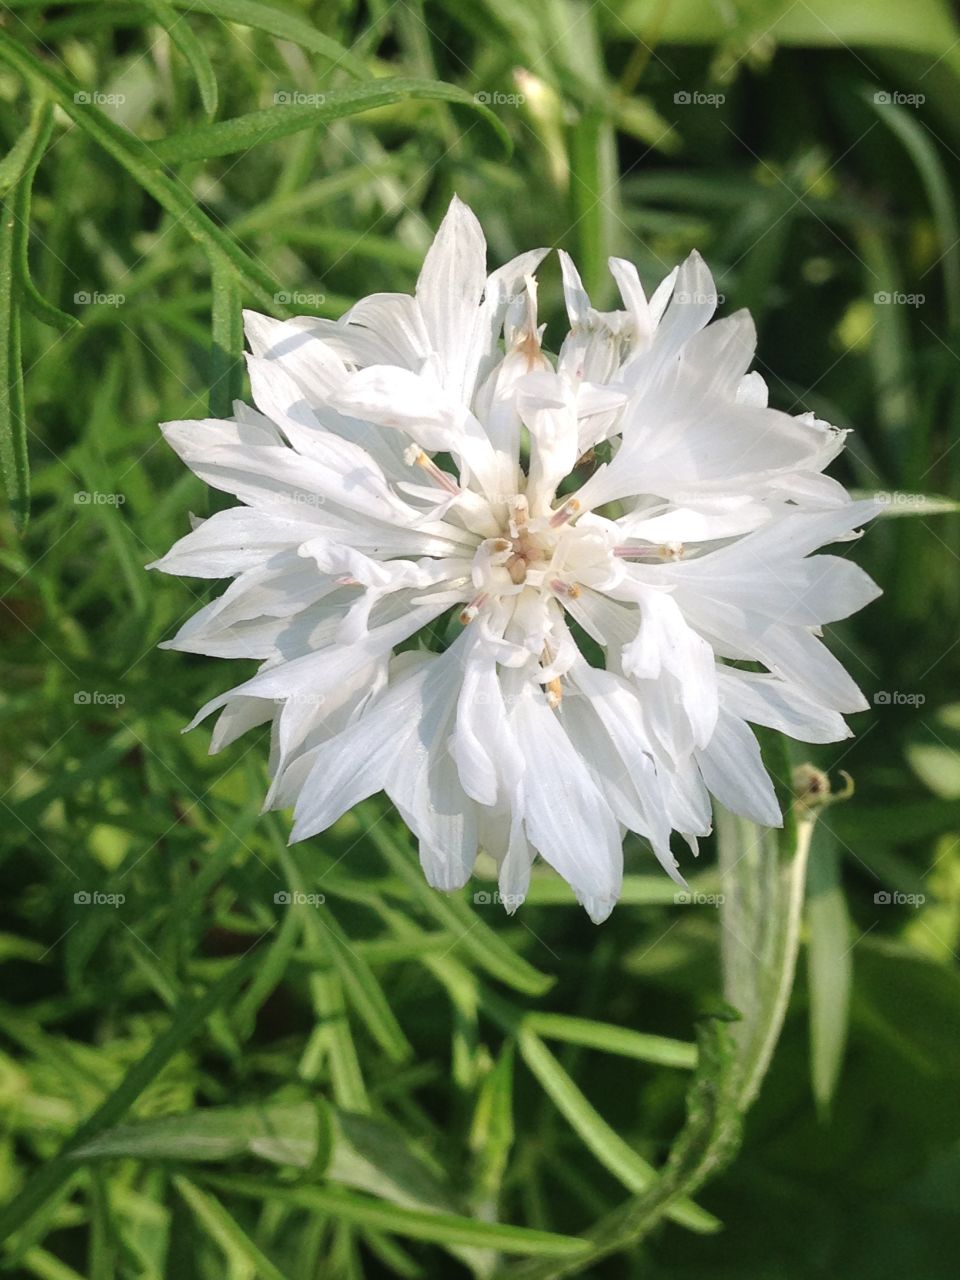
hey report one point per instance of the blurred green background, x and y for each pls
(407, 1065)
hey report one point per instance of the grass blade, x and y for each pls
(435, 1228)
(604, 1142)
(243, 132)
(196, 55)
(184, 1026)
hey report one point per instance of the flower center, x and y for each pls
(541, 554)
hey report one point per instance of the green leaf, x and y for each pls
(829, 965)
(604, 1142)
(707, 1142)
(14, 463)
(181, 33)
(279, 23)
(436, 1228)
(925, 25)
(224, 1230)
(485, 947)
(226, 340)
(324, 935)
(763, 877)
(612, 1039)
(20, 198)
(243, 132)
(917, 142)
(911, 504)
(19, 158)
(185, 1025)
(140, 162)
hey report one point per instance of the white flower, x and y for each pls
(591, 542)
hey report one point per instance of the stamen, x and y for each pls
(554, 693)
(569, 589)
(517, 568)
(668, 551)
(414, 456)
(565, 513)
(521, 514)
(468, 614)
(346, 581)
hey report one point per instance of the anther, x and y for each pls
(554, 693)
(565, 513)
(569, 589)
(468, 614)
(414, 456)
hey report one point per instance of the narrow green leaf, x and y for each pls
(13, 425)
(829, 965)
(322, 931)
(182, 1029)
(140, 162)
(616, 1155)
(485, 947)
(277, 22)
(917, 142)
(436, 1228)
(182, 35)
(18, 159)
(226, 340)
(911, 504)
(707, 1142)
(287, 117)
(613, 1039)
(224, 1229)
